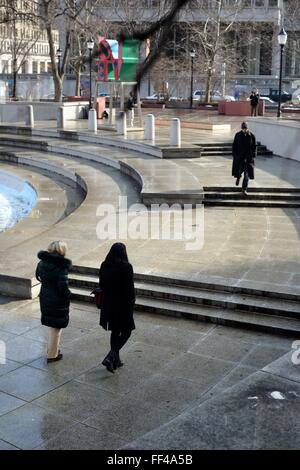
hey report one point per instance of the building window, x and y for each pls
(42, 67)
(265, 54)
(4, 66)
(34, 67)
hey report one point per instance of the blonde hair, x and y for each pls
(58, 247)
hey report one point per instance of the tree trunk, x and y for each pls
(77, 84)
(14, 89)
(208, 83)
(57, 87)
(58, 75)
(213, 54)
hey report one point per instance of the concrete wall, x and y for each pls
(43, 111)
(282, 137)
(23, 288)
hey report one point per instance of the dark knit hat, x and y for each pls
(244, 125)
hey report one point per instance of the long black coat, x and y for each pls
(244, 152)
(52, 272)
(118, 296)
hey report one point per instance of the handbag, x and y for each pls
(97, 293)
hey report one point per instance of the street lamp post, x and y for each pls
(192, 54)
(282, 38)
(90, 45)
(58, 55)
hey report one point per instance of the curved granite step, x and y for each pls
(234, 318)
(151, 174)
(235, 308)
(17, 273)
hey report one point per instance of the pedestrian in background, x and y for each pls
(130, 109)
(254, 101)
(52, 271)
(117, 302)
(237, 94)
(244, 152)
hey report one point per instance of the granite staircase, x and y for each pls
(225, 149)
(273, 312)
(256, 197)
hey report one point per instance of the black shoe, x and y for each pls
(118, 363)
(54, 359)
(237, 181)
(245, 192)
(108, 362)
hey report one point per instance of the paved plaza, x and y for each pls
(257, 246)
(185, 384)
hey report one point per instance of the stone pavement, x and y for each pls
(256, 247)
(184, 385)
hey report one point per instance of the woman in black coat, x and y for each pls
(244, 152)
(117, 301)
(52, 271)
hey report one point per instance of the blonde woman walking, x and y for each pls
(52, 271)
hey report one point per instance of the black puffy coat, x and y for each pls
(118, 296)
(244, 152)
(52, 271)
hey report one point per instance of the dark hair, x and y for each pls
(117, 254)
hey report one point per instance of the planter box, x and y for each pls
(239, 108)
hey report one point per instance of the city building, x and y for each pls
(24, 48)
(253, 36)
(255, 53)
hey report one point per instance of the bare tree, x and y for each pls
(291, 20)
(66, 14)
(155, 28)
(87, 25)
(157, 32)
(50, 13)
(212, 37)
(9, 9)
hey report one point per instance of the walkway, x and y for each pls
(169, 394)
(185, 385)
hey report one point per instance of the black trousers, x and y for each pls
(118, 339)
(254, 110)
(246, 176)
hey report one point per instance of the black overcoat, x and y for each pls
(117, 297)
(52, 271)
(254, 99)
(244, 152)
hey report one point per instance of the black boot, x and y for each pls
(117, 361)
(108, 361)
